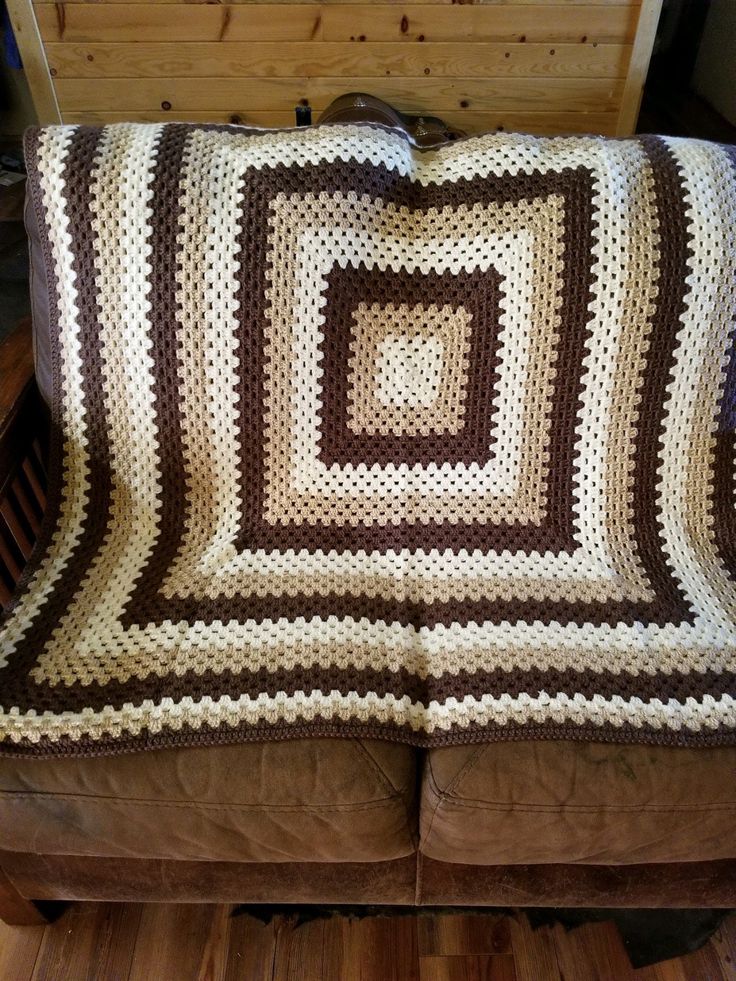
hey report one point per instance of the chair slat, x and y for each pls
(37, 481)
(13, 514)
(26, 503)
(5, 591)
(10, 558)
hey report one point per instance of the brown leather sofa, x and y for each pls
(351, 821)
(362, 821)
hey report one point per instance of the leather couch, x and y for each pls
(361, 821)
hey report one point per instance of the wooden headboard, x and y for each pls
(550, 66)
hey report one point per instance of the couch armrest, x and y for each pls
(23, 453)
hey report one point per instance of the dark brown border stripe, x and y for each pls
(166, 210)
(311, 676)
(15, 684)
(479, 294)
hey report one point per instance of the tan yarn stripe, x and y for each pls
(373, 325)
(720, 263)
(640, 248)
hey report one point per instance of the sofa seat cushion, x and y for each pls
(309, 800)
(595, 803)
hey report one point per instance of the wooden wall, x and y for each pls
(544, 66)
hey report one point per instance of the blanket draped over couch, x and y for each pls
(350, 438)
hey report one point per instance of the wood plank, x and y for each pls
(594, 950)
(20, 490)
(267, 118)
(191, 22)
(535, 955)
(251, 949)
(25, 29)
(511, 3)
(175, 941)
(638, 66)
(471, 22)
(187, 95)
(539, 123)
(471, 967)
(723, 943)
(18, 951)
(33, 474)
(93, 941)
(300, 951)
(10, 562)
(371, 948)
(376, 948)
(79, 22)
(214, 958)
(269, 59)
(90, 941)
(484, 933)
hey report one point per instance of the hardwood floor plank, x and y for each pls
(473, 967)
(19, 947)
(592, 952)
(89, 942)
(535, 953)
(299, 951)
(251, 949)
(173, 942)
(463, 934)
(132, 942)
(723, 943)
(389, 947)
(213, 962)
(373, 948)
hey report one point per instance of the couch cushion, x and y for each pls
(316, 800)
(538, 802)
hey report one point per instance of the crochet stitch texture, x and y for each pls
(351, 438)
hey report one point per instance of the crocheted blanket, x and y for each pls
(354, 439)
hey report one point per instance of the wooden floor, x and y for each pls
(115, 942)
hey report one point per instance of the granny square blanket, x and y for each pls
(355, 439)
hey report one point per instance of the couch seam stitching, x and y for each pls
(142, 802)
(365, 754)
(587, 808)
(445, 795)
(397, 793)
